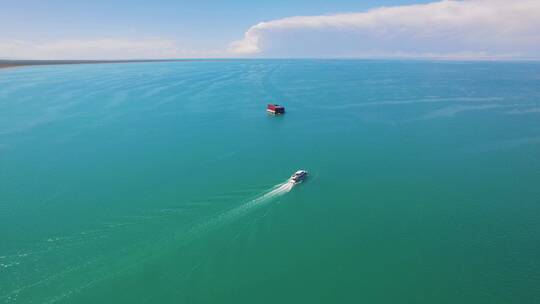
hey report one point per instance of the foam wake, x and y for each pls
(94, 267)
(230, 215)
(276, 191)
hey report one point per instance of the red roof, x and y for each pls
(272, 106)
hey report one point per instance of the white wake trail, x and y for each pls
(250, 205)
(278, 190)
(139, 257)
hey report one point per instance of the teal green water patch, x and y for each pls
(164, 182)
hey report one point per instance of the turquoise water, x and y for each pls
(162, 182)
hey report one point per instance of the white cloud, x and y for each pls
(101, 48)
(470, 29)
(452, 29)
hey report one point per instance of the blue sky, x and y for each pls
(197, 23)
(101, 29)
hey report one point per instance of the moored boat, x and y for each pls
(275, 109)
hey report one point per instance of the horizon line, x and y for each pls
(5, 63)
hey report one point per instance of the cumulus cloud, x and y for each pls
(101, 48)
(459, 29)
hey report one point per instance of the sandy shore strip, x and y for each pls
(21, 63)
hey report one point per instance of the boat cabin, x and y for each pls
(299, 176)
(275, 109)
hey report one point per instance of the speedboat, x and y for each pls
(298, 176)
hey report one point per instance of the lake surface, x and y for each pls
(163, 182)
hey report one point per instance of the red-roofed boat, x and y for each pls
(275, 109)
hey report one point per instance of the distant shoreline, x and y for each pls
(5, 63)
(22, 63)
